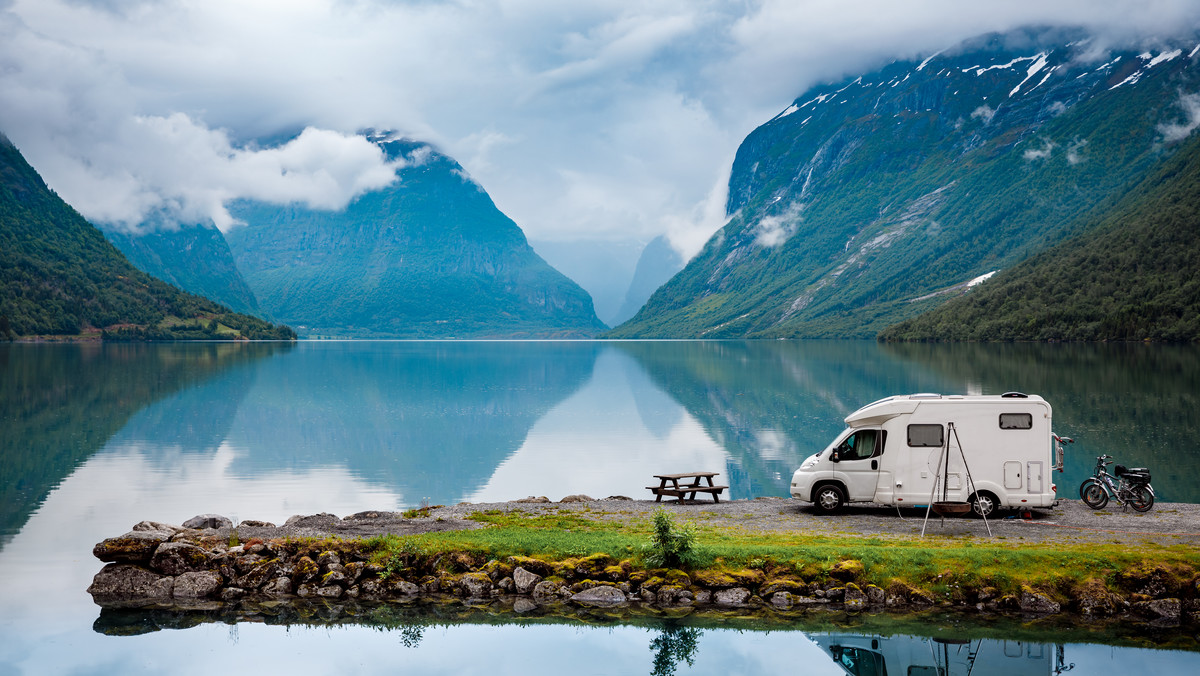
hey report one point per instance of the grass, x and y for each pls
(942, 567)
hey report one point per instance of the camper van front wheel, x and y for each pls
(829, 498)
(983, 504)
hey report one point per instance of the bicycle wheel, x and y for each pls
(1142, 499)
(1093, 494)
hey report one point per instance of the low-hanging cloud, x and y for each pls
(596, 118)
(1177, 131)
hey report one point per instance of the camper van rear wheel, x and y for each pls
(829, 498)
(983, 504)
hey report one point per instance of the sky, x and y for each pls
(584, 120)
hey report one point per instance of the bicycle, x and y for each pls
(1130, 487)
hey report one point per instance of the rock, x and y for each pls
(305, 570)
(119, 581)
(506, 585)
(176, 558)
(158, 527)
(372, 588)
(524, 605)
(668, 595)
(476, 585)
(647, 595)
(854, 599)
(875, 595)
(133, 547)
(531, 499)
(577, 498)
(782, 599)
(280, 586)
(336, 575)
(600, 596)
(1159, 609)
(847, 571)
(1031, 601)
(737, 596)
(704, 597)
(232, 593)
(524, 580)
(197, 585)
(305, 590)
(619, 497)
(332, 591)
(259, 575)
(208, 521)
(545, 591)
(251, 523)
(328, 559)
(405, 588)
(782, 584)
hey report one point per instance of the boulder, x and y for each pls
(524, 605)
(1031, 601)
(251, 523)
(546, 591)
(176, 558)
(208, 521)
(232, 593)
(328, 559)
(197, 585)
(600, 596)
(332, 591)
(156, 526)
(532, 499)
(405, 588)
(476, 585)
(782, 599)
(524, 580)
(736, 596)
(259, 575)
(1160, 609)
(280, 586)
(577, 498)
(875, 595)
(123, 581)
(854, 599)
(132, 547)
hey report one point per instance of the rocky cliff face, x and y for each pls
(429, 256)
(863, 200)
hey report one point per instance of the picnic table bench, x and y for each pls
(686, 489)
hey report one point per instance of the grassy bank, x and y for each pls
(575, 546)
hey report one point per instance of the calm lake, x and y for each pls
(98, 437)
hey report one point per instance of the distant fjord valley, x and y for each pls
(1021, 186)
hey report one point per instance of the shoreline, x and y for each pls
(370, 557)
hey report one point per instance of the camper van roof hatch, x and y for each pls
(1015, 395)
(925, 395)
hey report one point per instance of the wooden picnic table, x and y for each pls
(689, 489)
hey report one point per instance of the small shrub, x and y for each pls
(670, 545)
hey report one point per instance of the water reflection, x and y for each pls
(620, 641)
(60, 404)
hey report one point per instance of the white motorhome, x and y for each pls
(893, 450)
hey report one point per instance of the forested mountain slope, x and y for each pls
(863, 202)
(1133, 275)
(428, 257)
(59, 276)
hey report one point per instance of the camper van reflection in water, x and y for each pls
(923, 656)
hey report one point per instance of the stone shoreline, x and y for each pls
(159, 564)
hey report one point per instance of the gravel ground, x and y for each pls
(1070, 522)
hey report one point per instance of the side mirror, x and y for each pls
(834, 457)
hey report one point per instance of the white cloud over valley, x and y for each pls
(603, 118)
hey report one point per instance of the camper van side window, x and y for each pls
(925, 435)
(1016, 421)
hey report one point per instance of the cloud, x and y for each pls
(596, 118)
(776, 229)
(1176, 131)
(1041, 153)
(984, 112)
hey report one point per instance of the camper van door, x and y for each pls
(858, 460)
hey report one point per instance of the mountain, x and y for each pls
(195, 258)
(865, 201)
(59, 276)
(658, 262)
(1134, 275)
(602, 268)
(428, 257)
